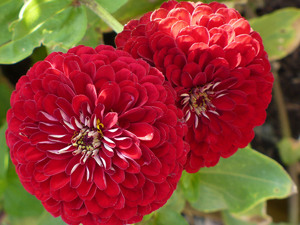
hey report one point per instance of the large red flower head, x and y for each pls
(94, 135)
(217, 65)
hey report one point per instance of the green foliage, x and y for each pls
(93, 36)
(5, 92)
(9, 10)
(18, 202)
(256, 215)
(239, 185)
(168, 216)
(289, 150)
(57, 24)
(280, 31)
(127, 12)
(4, 160)
(112, 6)
(190, 185)
(241, 182)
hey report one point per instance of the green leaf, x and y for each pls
(9, 10)
(18, 202)
(127, 12)
(4, 152)
(230, 219)
(256, 215)
(168, 216)
(57, 24)
(44, 219)
(48, 219)
(175, 205)
(176, 202)
(111, 6)
(241, 182)
(4, 159)
(280, 31)
(190, 186)
(93, 36)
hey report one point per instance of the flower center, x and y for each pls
(198, 101)
(88, 141)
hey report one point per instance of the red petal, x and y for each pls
(180, 14)
(77, 103)
(134, 152)
(92, 206)
(58, 181)
(118, 176)
(99, 178)
(120, 161)
(241, 26)
(143, 131)
(130, 181)
(67, 194)
(113, 188)
(104, 200)
(224, 103)
(126, 213)
(109, 95)
(84, 188)
(110, 120)
(55, 167)
(77, 176)
(49, 103)
(105, 73)
(152, 92)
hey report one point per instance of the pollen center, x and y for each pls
(87, 141)
(198, 101)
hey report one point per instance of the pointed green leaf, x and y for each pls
(93, 36)
(4, 159)
(112, 6)
(280, 31)
(190, 186)
(168, 216)
(47, 219)
(230, 219)
(55, 23)
(253, 216)
(242, 181)
(4, 152)
(176, 202)
(9, 10)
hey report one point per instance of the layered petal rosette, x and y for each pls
(218, 67)
(94, 134)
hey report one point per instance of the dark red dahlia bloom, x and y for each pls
(218, 66)
(94, 135)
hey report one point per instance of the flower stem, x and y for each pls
(103, 14)
(286, 133)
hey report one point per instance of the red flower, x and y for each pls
(94, 135)
(218, 66)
